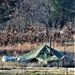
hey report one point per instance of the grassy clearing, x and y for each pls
(34, 73)
(13, 68)
(43, 70)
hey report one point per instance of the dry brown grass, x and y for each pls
(28, 47)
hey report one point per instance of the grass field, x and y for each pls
(36, 73)
(13, 68)
(28, 46)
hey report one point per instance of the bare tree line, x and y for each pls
(34, 34)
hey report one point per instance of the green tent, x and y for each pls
(43, 54)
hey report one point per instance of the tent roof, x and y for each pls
(31, 54)
(43, 54)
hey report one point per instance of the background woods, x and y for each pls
(34, 21)
(12, 35)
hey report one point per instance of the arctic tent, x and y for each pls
(44, 54)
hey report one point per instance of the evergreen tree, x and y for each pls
(7, 8)
(62, 11)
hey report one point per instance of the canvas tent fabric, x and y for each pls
(6, 58)
(30, 55)
(44, 54)
(27, 60)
